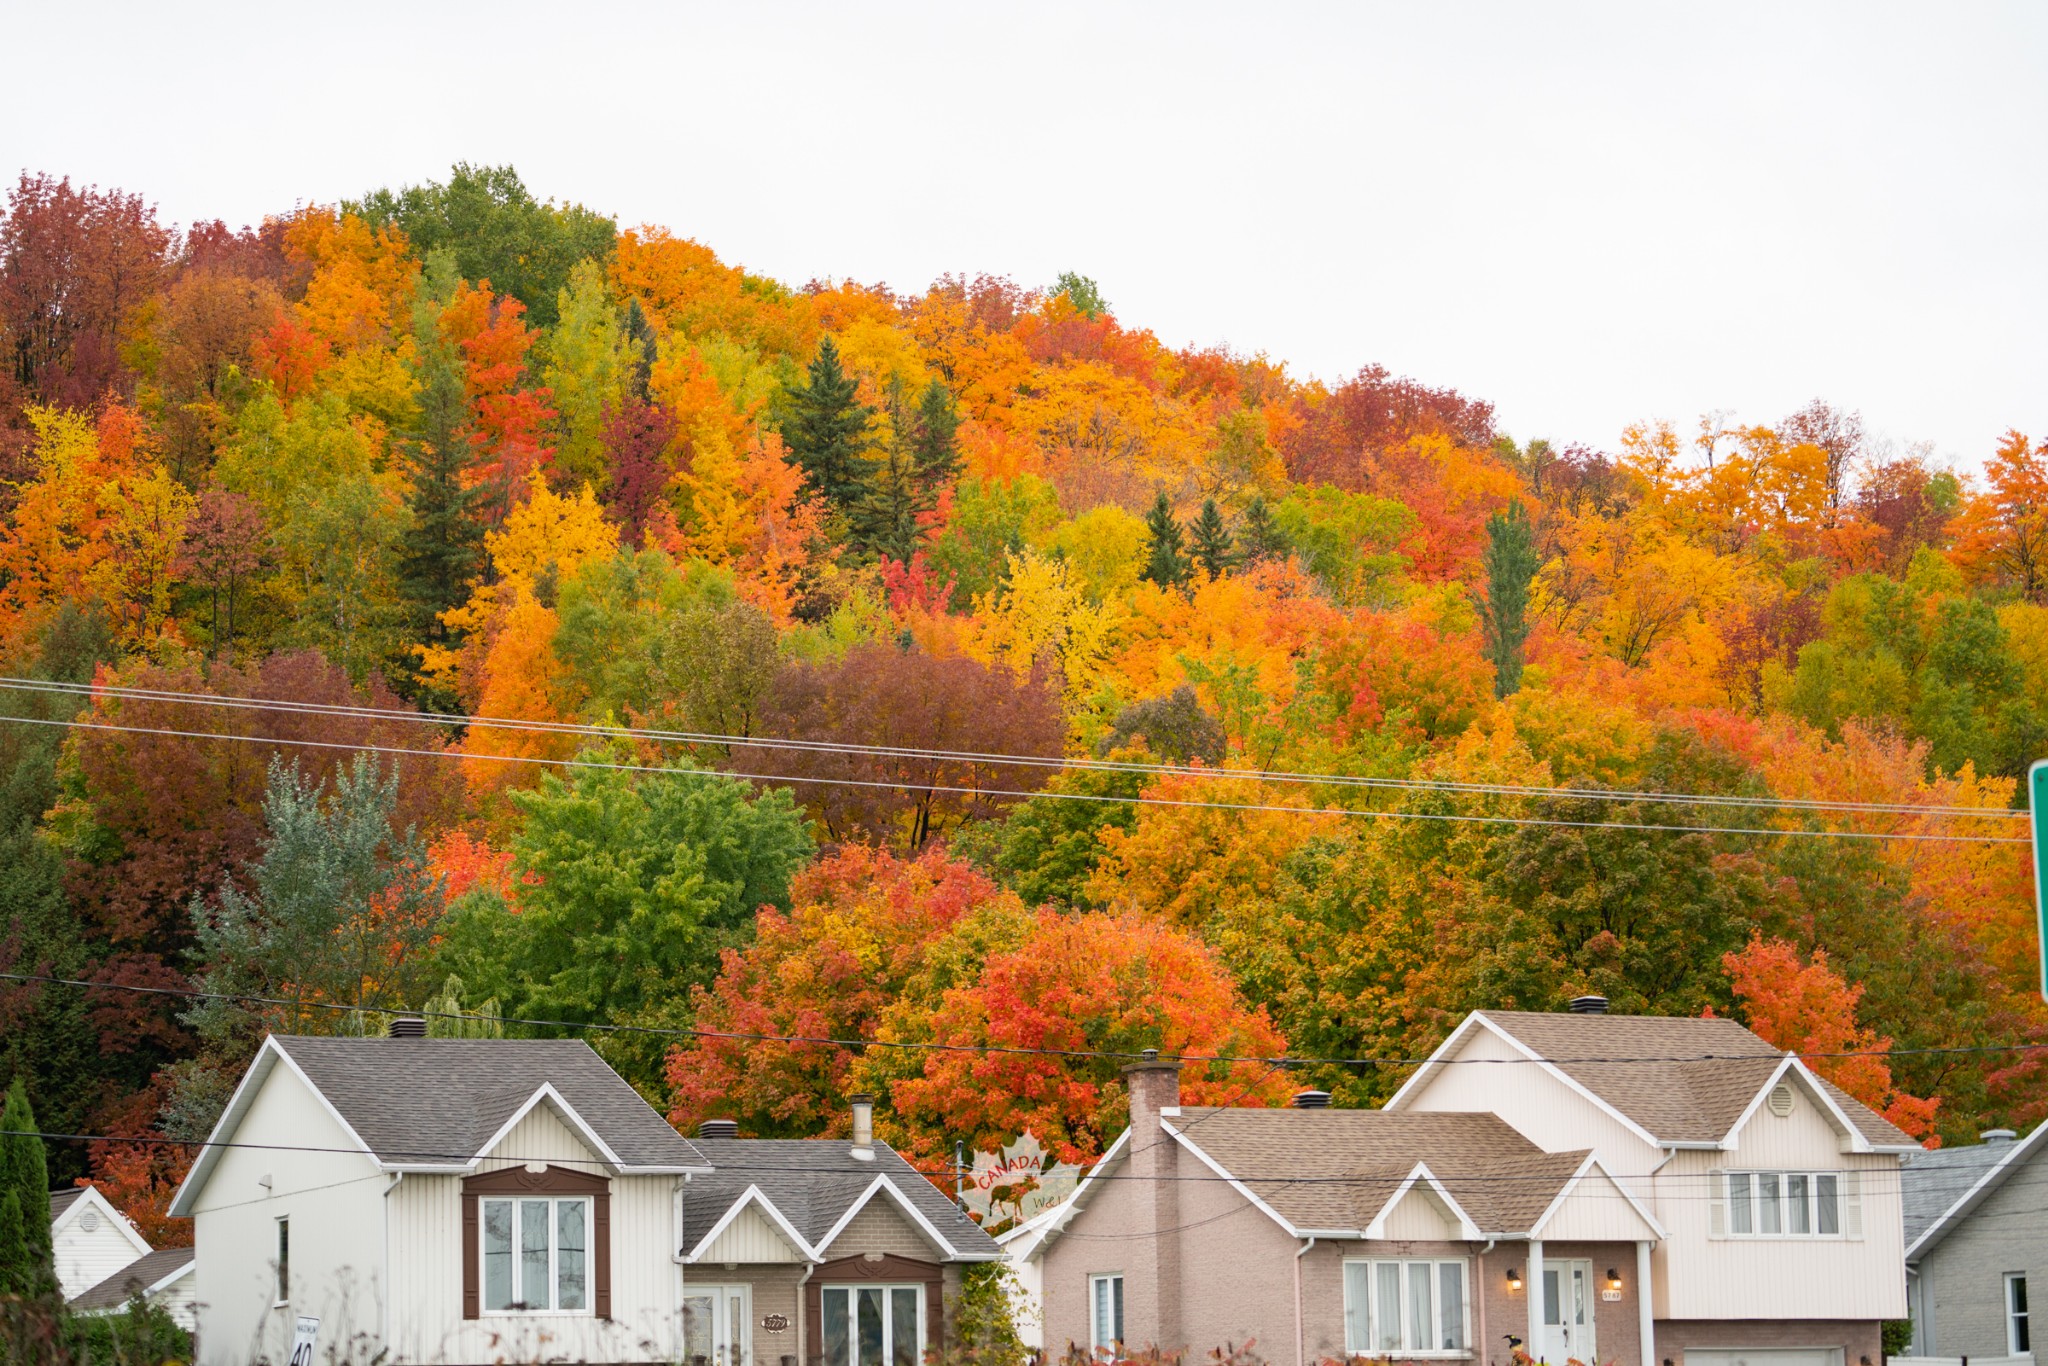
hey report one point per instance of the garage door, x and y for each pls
(1763, 1356)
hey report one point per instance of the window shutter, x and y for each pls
(1717, 1204)
(472, 1240)
(1852, 1204)
(601, 1235)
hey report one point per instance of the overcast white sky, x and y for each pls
(1587, 214)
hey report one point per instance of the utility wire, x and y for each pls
(671, 1031)
(977, 791)
(289, 706)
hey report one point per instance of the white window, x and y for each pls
(284, 1261)
(1411, 1307)
(873, 1325)
(1786, 1205)
(1106, 1313)
(2019, 1337)
(536, 1256)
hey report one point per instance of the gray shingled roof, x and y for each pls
(63, 1200)
(1683, 1079)
(1931, 1182)
(139, 1275)
(812, 1182)
(438, 1101)
(1336, 1169)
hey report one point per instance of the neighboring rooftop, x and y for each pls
(1938, 1187)
(63, 1200)
(1336, 1169)
(139, 1277)
(813, 1182)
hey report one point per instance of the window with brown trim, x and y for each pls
(536, 1242)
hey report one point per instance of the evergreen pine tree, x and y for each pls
(642, 347)
(1211, 541)
(825, 427)
(1166, 562)
(26, 1267)
(1510, 564)
(937, 446)
(1258, 536)
(885, 522)
(443, 547)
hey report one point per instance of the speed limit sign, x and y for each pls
(302, 1341)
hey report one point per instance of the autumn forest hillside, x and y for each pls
(1351, 713)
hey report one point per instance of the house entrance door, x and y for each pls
(1567, 1313)
(715, 1326)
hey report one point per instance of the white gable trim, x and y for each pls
(752, 1195)
(187, 1269)
(566, 1112)
(1478, 1019)
(1993, 1177)
(885, 1185)
(1587, 1168)
(1058, 1216)
(1246, 1191)
(1793, 1064)
(266, 1061)
(1467, 1229)
(90, 1196)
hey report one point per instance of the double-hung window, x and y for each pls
(536, 1255)
(873, 1325)
(2019, 1337)
(1106, 1313)
(1776, 1204)
(1409, 1306)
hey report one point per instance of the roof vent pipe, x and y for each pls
(1589, 1005)
(863, 1149)
(1998, 1136)
(1311, 1100)
(407, 1027)
(719, 1128)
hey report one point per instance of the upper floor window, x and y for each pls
(536, 1255)
(1775, 1204)
(2019, 1338)
(1411, 1307)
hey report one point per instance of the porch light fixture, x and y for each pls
(1514, 1278)
(1613, 1279)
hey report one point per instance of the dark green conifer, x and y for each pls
(825, 426)
(1212, 546)
(1510, 565)
(26, 1267)
(1166, 562)
(1258, 536)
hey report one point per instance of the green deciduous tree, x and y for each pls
(1510, 564)
(1083, 293)
(589, 371)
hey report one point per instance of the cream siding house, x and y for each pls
(90, 1239)
(443, 1200)
(164, 1279)
(1779, 1192)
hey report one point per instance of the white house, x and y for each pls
(164, 1278)
(1778, 1191)
(470, 1200)
(91, 1239)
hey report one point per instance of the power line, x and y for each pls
(356, 711)
(976, 791)
(1276, 1063)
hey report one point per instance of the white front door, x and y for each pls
(1567, 1313)
(715, 1326)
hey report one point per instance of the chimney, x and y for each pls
(1311, 1100)
(1589, 1005)
(1153, 1263)
(719, 1128)
(1153, 1086)
(1998, 1136)
(863, 1149)
(407, 1027)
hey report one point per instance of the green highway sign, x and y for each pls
(2037, 808)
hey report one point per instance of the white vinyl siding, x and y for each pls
(1773, 1204)
(1409, 1307)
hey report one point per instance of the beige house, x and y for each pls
(479, 1200)
(1704, 1202)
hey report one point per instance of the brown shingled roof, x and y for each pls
(1335, 1170)
(1681, 1078)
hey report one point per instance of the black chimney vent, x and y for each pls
(1311, 1100)
(407, 1027)
(718, 1128)
(1589, 1005)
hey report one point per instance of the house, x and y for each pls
(1779, 1191)
(1318, 1233)
(164, 1278)
(1604, 1188)
(90, 1239)
(814, 1236)
(471, 1200)
(1976, 1235)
